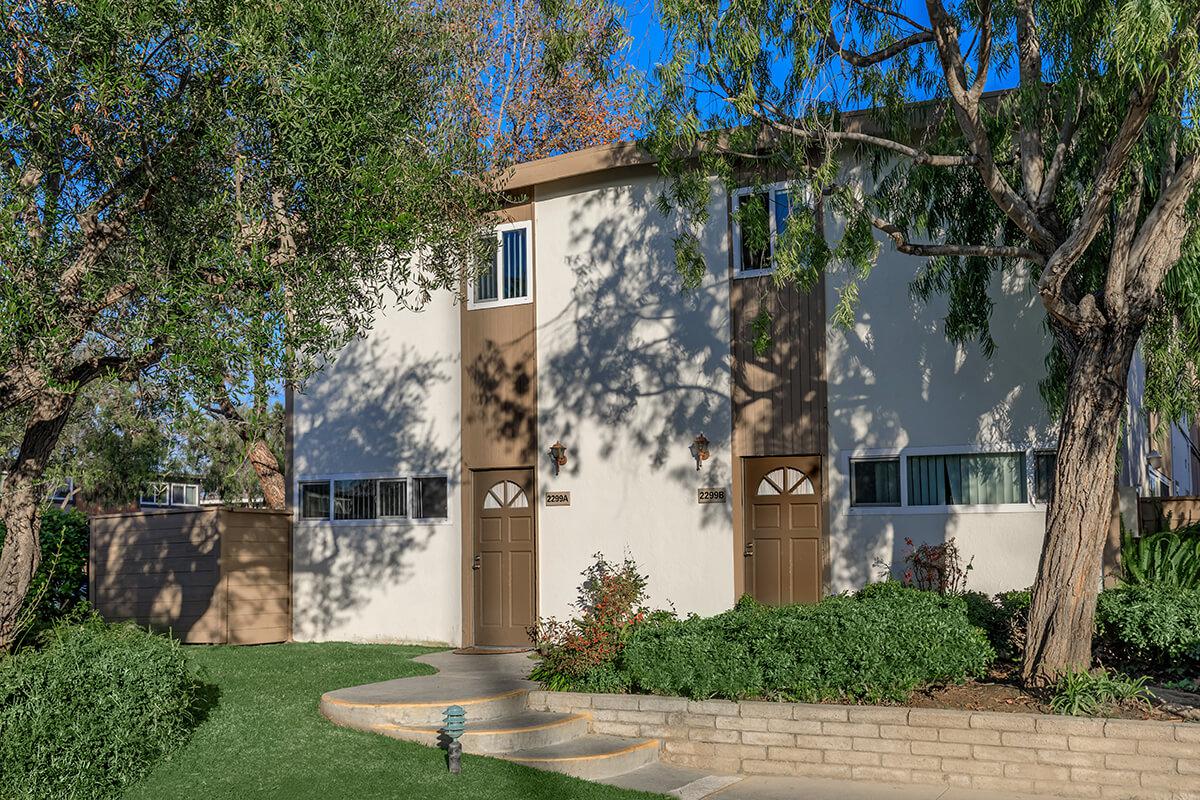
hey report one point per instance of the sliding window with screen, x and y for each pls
(352, 499)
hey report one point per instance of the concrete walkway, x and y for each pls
(493, 688)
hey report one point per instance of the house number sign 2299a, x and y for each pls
(558, 498)
(711, 494)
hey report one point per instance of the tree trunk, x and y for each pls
(270, 476)
(20, 507)
(1061, 618)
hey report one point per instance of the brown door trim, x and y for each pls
(476, 487)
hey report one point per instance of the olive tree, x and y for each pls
(1079, 178)
(196, 191)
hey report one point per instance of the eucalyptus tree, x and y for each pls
(192, 191)
(1080, 178)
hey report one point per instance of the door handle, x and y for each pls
(476, 563)
(748, 551)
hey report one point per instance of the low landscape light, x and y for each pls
(455, 725)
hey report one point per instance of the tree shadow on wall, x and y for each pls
(634, 362)
(371, 409)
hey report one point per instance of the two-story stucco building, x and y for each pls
(429, 498)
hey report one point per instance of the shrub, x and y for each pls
(1002, 618)
(581, 653)
(90, 709)
(1097, 693)
(935, 567)
(1168, 557)
(1151, 625)
(878, 645)
(60, 582)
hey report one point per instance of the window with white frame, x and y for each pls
(169, 494)
(362, 499)
(875, 481)
(966, 479)
(760, 217)
(508, 280)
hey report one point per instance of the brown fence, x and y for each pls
(1165, 513)
(208, 575)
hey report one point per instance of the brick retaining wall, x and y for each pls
(1069, 756)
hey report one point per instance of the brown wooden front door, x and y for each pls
(783, 529)
(505, 561)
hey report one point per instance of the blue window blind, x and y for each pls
(783, 207)
(980, 478)
(515, 260)
(485, 284)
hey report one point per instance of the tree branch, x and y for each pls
(1118, 260)
(856, 59)
(912, 153)
(900, 238)
(1066, 138)
(966, 112)
(1029, 134)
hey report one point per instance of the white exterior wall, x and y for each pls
(630, 369)
(389, 406)
(896, 385)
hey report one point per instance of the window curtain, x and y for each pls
(976, 479)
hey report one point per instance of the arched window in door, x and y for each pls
(505, 494)
(785, 480)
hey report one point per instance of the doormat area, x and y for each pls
(490, 651)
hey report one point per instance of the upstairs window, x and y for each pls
(759, 217)
(509, 279)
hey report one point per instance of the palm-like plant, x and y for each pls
(1171, 558)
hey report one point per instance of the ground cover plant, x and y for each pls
(87, 710)
(1097, 693)
(265, 738)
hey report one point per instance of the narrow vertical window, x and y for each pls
(431, 498)
(393, 499)
(516, 271)
(508, 280)
(1044, 462)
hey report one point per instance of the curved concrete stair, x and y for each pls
(592, 757)
(366, 712)
(530, 729)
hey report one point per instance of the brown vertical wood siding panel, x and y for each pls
(209, 575)
(499, 396)
(780, 402)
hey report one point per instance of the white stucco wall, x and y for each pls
(630, 369)
(389, 406)
(896, 385)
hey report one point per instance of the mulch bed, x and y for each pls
(1001, 691)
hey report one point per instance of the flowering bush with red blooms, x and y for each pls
(935, 567)
(581, 653)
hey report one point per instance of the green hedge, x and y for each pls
(1149, 625)
(60, 582)
(880, 644)
(88, 711)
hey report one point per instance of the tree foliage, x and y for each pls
(213, 195)
(541, 77)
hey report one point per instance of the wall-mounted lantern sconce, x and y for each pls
(558, 455)
(699, 449)
(1155, 460)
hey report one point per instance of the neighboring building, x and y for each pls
(429, 507)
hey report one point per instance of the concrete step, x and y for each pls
(592, 757)
(682, 782)
(527, 730)
(365, 712)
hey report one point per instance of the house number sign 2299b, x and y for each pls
(558, 498)
(711, 494)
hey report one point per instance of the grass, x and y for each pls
(264, 737)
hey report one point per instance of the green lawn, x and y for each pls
(265, 738)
